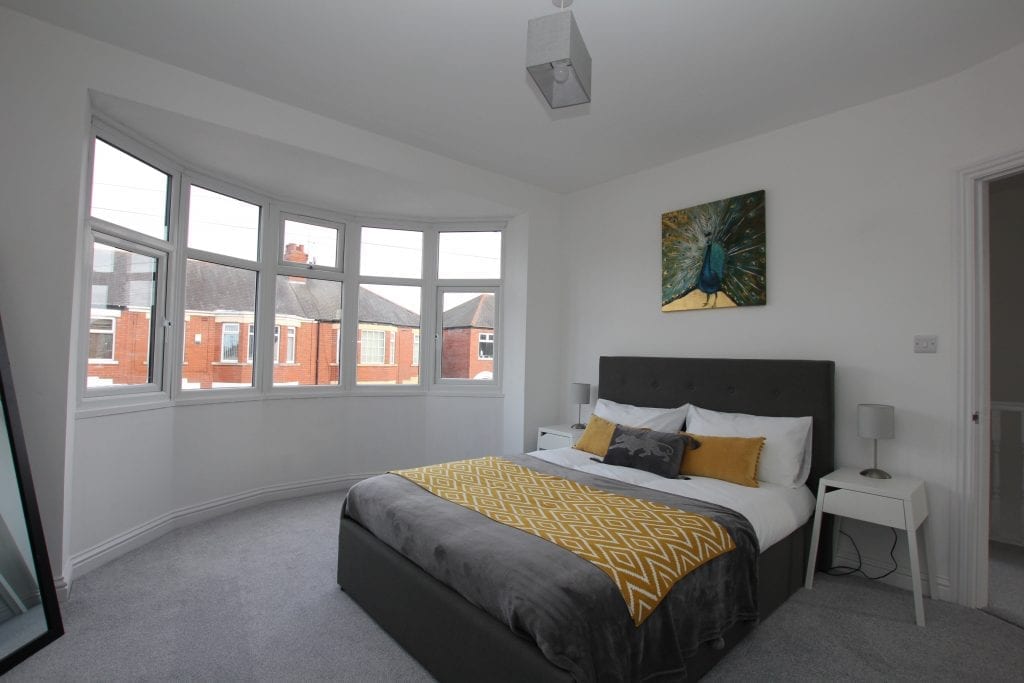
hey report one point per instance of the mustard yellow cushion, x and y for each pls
(729, 458)
(596, 437)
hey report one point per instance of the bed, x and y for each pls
(458, 641)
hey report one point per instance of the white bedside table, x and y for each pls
(899, 502)
(557, 436)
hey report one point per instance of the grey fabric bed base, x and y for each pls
(456, 641)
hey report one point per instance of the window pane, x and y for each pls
(313, 244)
(123, 300)
(216, 296)
(229, 343)
(469, 255)
(391, 253)
(310, 311)
(467, 335)
(128, 192)
(222, 224)
(389, 321)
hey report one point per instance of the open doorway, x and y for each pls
(1006, 358)
(973, 417)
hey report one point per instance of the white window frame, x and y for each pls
(363, 347)
(167, 354)
(250, 343)
(191, 253)
(238, 341)
(481, 285)
(99, 230)
(277, 344)
(290, 351)
(480, 341)
(415, 348)
(99, 314)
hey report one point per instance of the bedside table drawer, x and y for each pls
(865, 507)
(548, 440)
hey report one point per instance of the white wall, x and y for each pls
(102, 479)
(860, 227)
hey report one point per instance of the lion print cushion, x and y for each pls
(643, 449)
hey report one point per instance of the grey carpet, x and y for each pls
(252, 596)
(1006, 582)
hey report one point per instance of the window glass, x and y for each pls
(215, 294)
(223, 225)
(123, 303)
(306, 243)
(391, 253)
(129, 192)
(229, 343)
(389, 321)
(101, 339)
(310, 309)
(467, 335)
(485, 346)
(469, 255)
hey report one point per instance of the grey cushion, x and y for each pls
(644, 449)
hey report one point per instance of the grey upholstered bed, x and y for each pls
(457, 641)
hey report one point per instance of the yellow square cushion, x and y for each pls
(729, 458)
(596, 437)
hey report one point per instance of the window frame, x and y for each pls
(461, 382)
(238, 340)
(480, 341)
(102, 315)
(168, 346)
(289, 351)
(218, 186)
(120, 237)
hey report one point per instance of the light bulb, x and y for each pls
(561, 73)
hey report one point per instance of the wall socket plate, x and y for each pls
(926, 343)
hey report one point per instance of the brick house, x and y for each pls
(219, 333)
(468, 341)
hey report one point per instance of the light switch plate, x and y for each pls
(926, 343)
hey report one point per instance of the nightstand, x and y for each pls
(557, 436)
(899, 503)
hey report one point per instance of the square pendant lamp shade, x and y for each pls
(558, 60)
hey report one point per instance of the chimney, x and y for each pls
(296, 253)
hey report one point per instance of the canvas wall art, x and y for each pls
(713, 255)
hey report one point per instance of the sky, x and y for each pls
(133, 194)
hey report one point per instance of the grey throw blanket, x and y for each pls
(568, 606)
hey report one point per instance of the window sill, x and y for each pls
(103, 361)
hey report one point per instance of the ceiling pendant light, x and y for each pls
(557, 58)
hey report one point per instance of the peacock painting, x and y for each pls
(713, 255)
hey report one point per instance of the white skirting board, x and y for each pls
(899, 578)
(135, 537)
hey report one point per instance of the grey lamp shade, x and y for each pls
(579, 392)
(557, 59)
(876, 421)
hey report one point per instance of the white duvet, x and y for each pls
(774, 511)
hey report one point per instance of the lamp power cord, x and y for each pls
(842, 570)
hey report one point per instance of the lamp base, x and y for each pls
(578, 425)
(875, 473)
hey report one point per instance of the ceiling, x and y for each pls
(670, 77)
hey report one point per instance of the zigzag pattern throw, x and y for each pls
(644, 547)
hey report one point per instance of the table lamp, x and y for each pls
(579, 392)
(876, 421)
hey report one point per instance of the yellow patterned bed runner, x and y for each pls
(644, 547)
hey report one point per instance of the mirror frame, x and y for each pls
(44, 575)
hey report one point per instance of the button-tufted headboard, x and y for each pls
(774, 388)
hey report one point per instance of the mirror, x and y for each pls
(29, 615)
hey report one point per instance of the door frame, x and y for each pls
(969, 544)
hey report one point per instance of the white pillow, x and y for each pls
(658, 419)
(786, 456)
